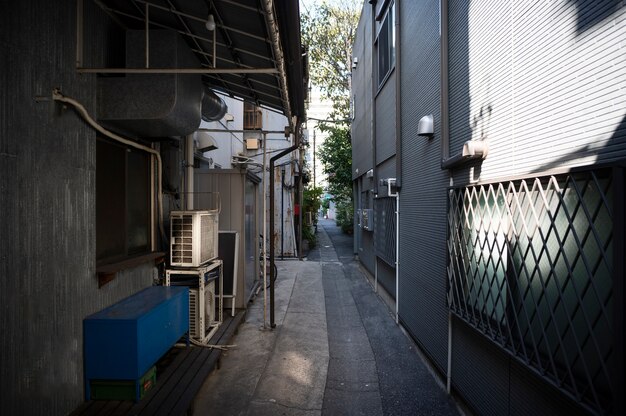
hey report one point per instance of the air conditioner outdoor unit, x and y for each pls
(201, 314)
(193, 237)
(367, 219)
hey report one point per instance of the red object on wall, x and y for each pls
(296, 209)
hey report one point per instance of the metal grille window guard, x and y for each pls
(385, 229)
(530, 265)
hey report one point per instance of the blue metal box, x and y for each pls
(123, 341)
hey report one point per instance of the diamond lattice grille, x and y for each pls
(530, 266)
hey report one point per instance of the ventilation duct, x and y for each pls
(153, 105)
(213, 107)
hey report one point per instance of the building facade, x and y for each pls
(488, 152)
(80, 209)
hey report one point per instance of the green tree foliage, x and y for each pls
(328, 29)
(336, 156)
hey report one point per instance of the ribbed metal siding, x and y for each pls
(362, 159)
(422, 226)
(541, 81)
(47, 210)
(386, 120)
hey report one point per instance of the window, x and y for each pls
(252, 117)
(123, 202)
(386, 45)
(530, 266)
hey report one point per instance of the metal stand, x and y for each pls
(174, 275)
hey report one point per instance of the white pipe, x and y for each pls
(270, 19)
(391, 182)
(449, 376)
(58, 96)
(189, 171)
(264, 250)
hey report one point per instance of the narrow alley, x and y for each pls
(336, 349)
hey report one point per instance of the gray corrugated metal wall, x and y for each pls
(362, 159)
(386, 120)
(47, 209)
(422, 307)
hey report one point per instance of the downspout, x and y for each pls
(374, 78)
(272, 192)
(279, 57)
(445, 143)
(398, 98)
(264, 242)
(282, 213)
(189, 171)
(300, 201)
(58, 96)
(392, 182)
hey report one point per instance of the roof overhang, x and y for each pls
(254, 53)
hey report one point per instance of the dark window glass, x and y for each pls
(386, 45)
(122, 201)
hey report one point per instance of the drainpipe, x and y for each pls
(391, 182)
(263, 243)
(270, 20)
(445, 143)
(189, 171)
(273, 159)
(398, 98)
(300, 201)
(282, 213)
(58, 96)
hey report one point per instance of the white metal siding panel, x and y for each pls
(553, 75)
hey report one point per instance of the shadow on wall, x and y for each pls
(602, 155)
(602, 10)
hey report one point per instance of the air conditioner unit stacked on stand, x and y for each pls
(194, 263)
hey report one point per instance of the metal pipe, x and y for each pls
(300, 200)
(147, 30)
(282, 213)
(270, 20)
(398, 51)
(189, 171)
(58, 96)
(79, 33)
(264, 244)
(390, 183)
(215, 48)
(445, 116)
(272, 277)
(177, 70)
(449, 375)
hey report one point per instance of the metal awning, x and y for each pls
(258, 55)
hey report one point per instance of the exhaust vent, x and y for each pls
(153, 105)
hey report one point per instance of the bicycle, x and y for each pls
(267, 258)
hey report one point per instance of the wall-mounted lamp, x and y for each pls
(210, 23)
(355, 62)
(425, 127)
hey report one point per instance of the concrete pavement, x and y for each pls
(335, 350)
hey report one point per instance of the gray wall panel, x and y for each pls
(422, 305)
(362, 155)
(48, 278)
(480, 371)
(386, 120)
